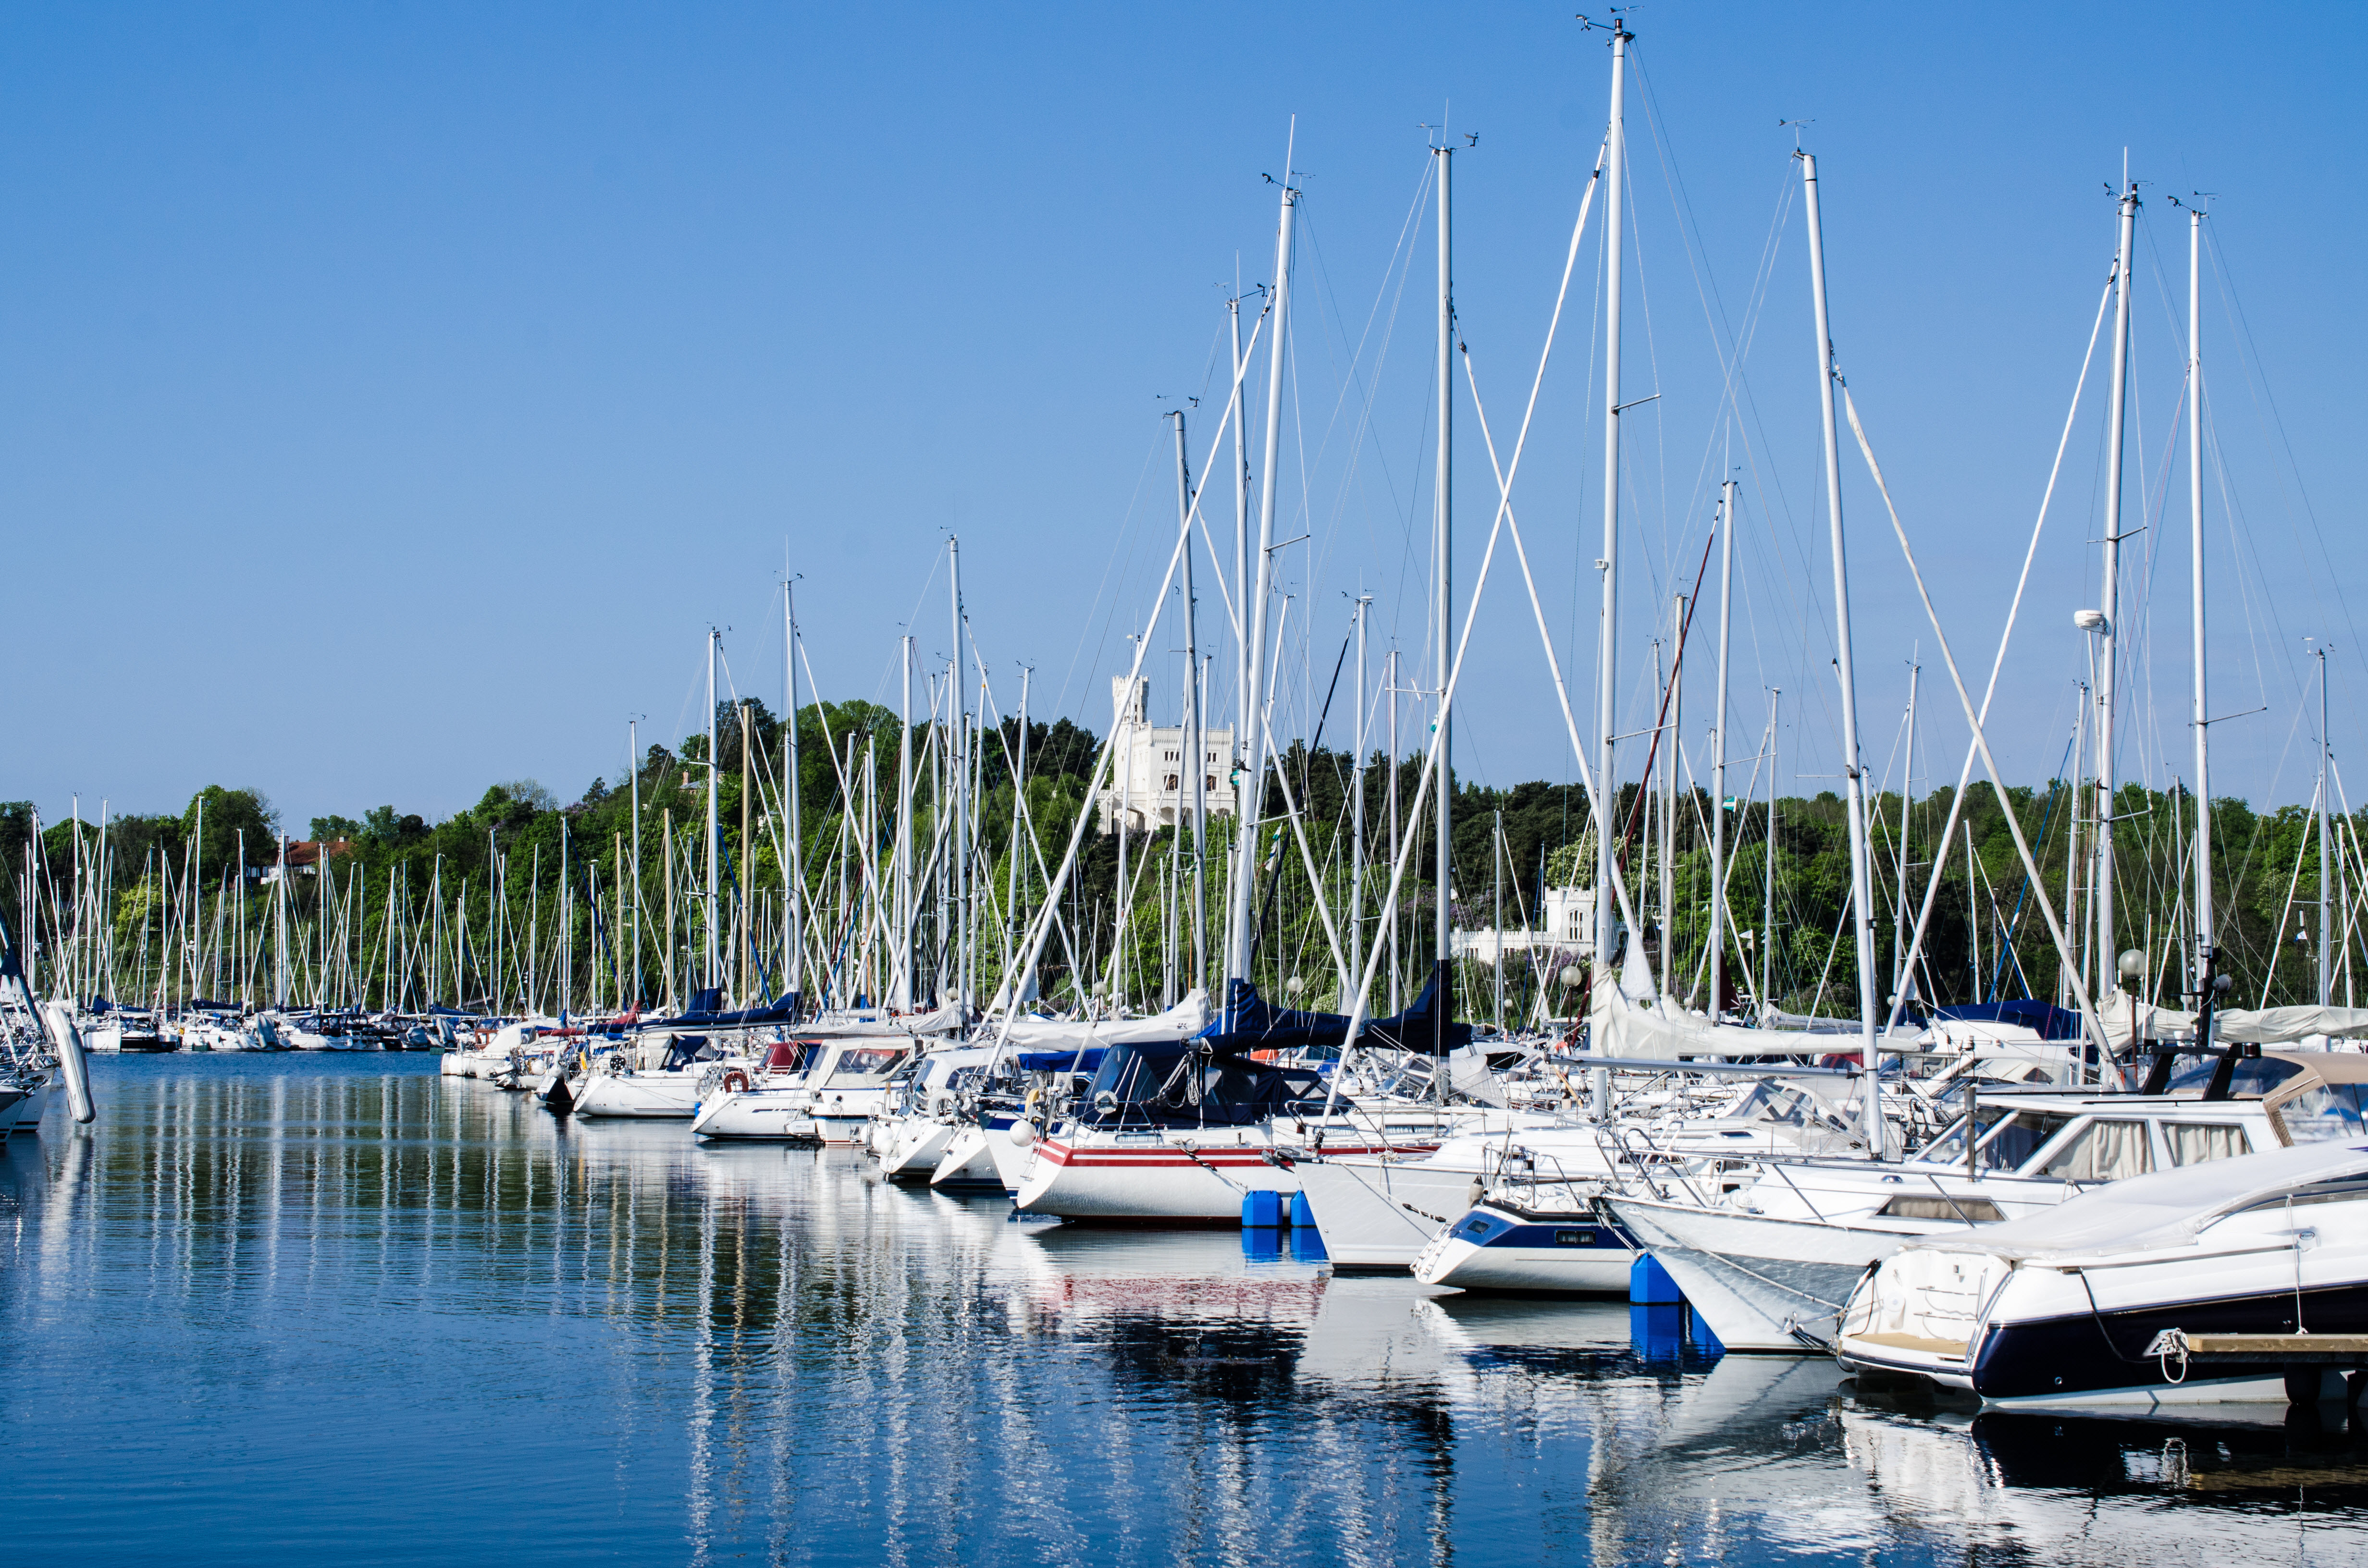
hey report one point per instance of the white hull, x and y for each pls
(840, 1115)
(1190, 1180)
(26, 1115)
(1012, 1159)
(760, 1115)
(1378, 1213)
(912, 1146)
(968, 1163)
(1496, 1250)
(672, 1096)
(1755, 1280)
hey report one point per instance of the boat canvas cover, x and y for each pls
(1258, 1025)
(1182, 1021)
(1658, 1031)
(2128, 1021)
(2167, 1209)
(948, 1019)
(1087, 1061)
(1193, 1081)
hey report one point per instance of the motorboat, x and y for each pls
(819, 1091)
(2243, 1278)
(1769, 1266)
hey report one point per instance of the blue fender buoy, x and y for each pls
(1650, 1284)
(1261, 1210)
(1301, 1213)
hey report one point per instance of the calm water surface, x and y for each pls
(304, 1310)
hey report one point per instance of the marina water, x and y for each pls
(280, 1310)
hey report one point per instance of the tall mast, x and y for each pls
(1718, 754)
(1356, 917)
(1669, 790)
(2202, 717)
(1768, 879)
(711, 975)
(1018, 795)
(793, 927)
(904, 926)
(957, 839)
(1853, 772)
(2109, 630)
(1251, 799)
(1443, 951)
(1607, 654)
(1123, 717)
(1194, 748)
(2325, 953)
(633, 772)
(1899, 887)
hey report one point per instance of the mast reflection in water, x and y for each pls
(288, 1310)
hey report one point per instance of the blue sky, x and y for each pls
(391, 396)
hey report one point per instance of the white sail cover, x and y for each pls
(951, 1019)
(1182, 1021)
(2128, 1021)
(1657, 1030)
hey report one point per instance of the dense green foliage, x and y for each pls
(522, 902)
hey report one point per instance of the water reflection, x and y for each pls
(297, 1310)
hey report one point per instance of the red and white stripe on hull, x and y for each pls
(1191, 1175)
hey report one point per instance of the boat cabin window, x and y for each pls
(871, 1062)
(2323, 1113)
(2194, 1142)
(2007, 1139)
(1920, 1206)
(2103, 1151)
(2254, 1077)
(787, 1056)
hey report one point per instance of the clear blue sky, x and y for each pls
(391, 396)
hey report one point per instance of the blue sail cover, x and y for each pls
(782, 1012)
(1085, 1061)
(1259, 1026)
(2047, 1020)
(1425, 1029)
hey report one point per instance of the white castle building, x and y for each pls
(1567, 920)
(1151, 784)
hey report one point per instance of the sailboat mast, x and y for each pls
(1768, 876)
(1899, 887)
(1194, 776)
(633, 772)
(904, 992)
(1853, 773)
(794, 910)
(2326, 908)
(708, 975)
(1718, 754)
(1356, 917)
(1251, 798)
(2109, 630)
(957, 844)
(1443, 952)
(1606, 656)
(2202, 719)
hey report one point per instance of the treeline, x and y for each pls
(521, 901)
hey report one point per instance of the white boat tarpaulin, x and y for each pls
(1182, 1021)
(1657, 1030)
(2127, 1021)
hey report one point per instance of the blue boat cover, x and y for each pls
(1085, 1061)
(1257, 1025)
(2049, 1021)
